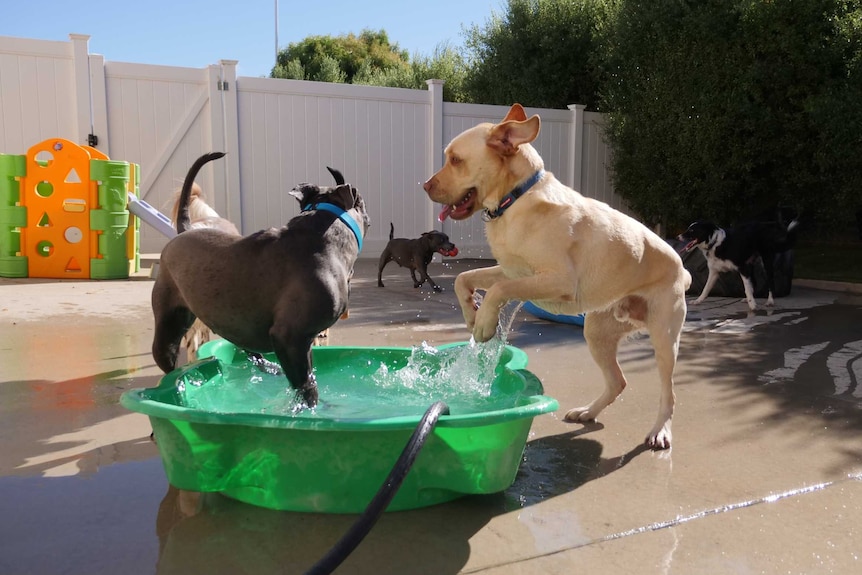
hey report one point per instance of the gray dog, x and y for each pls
(415, 254)
(274, 290)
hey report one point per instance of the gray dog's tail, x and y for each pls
(183, 218)
(391, 230)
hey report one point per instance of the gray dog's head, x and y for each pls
(342, 195)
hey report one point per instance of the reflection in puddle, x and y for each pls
(749, 323)
(552, 466)
(845, 367)
(553, 530)
(793, 360)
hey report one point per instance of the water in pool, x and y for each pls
(400, 385)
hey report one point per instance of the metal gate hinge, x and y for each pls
(223, 86)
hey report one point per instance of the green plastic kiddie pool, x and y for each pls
(224, 425)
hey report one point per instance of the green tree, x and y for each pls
(837, 112)
(313, 57)
(719, 109)
(445, 64)
(541, 53)
(291, 70)
(370, 59)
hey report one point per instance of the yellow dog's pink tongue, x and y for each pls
(445, 213)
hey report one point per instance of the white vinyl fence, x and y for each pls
(277, 133)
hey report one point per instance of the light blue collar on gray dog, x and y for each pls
(510, 198)
(342, 215)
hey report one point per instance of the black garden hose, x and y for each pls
(345, 546)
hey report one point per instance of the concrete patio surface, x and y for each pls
(765, 473)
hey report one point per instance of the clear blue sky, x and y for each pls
(196, 33)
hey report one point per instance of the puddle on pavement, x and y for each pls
(54, 522)
(726, 508)
(795, 361)
(119, 519)
(551, 466)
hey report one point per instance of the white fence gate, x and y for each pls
(290, 131)
(277, 133)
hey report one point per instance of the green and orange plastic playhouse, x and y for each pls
(64, 213)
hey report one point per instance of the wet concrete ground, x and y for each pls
(764, 475)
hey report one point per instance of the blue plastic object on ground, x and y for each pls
(535, 310)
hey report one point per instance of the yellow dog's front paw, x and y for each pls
(468, 309)
(659, 438)
(469, 314)
(579, 415)
(486, 325)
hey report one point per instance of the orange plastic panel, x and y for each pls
(57, 184)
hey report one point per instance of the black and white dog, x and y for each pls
(737, 249)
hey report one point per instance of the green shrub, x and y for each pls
(720, 109)
(540, 53)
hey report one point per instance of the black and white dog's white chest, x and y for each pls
(716, 259)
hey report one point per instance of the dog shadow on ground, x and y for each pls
(215, 534)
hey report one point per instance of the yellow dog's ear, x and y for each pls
(516, 114)
(506, 136)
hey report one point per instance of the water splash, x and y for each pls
(463, 376)
(450, 374)
(435, 373)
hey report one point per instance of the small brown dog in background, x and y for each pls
(415, 254)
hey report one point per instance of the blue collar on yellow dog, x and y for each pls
(510, 198)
